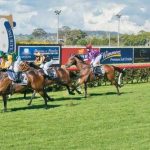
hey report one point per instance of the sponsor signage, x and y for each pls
(141, 55)
(116, 55)
(26, 52)
(68, 52)
(7, 40)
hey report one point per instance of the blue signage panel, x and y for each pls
(26, 52)
(11, 39)
(116, 55)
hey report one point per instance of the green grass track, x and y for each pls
(103, 121)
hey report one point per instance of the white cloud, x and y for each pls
(147, 25)
(82, 14)
(102, 22)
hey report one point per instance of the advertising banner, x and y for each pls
(7, 40)
(67, 52)
(116, 55)
(26, 52)
(141, 55)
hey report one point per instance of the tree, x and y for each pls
(39, 33)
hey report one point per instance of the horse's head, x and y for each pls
(24, 66)
(73, 60)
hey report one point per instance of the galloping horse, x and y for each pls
(87, 75)
(7, 87)
(62, 78)
(36, 80)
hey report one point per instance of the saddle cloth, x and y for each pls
(51, 72)
(13, 76)
(99, 70)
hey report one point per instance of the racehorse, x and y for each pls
(63, 77)
(7, 87)
(36, 80)
(87, 75)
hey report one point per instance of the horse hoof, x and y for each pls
(79, 92)
(4, 110)
(71, 93)
(46, 107)
(51, 99)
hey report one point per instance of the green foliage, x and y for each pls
(39, 32)
(82, 42)
(79, 37)
(72, 37)
(136, 40)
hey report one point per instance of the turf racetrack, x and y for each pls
(102, 121)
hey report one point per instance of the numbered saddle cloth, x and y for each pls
(51, 72)
(99, 71)
(20, 77)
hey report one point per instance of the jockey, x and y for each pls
(16, 69)
(9, 61)
(48, 61)
(39, 58)
(94, 56)
(2, 59)
(6, 61)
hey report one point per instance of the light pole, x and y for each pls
(57, 12)
(119, 17)
(108, 36)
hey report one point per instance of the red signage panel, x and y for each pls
(67, 52)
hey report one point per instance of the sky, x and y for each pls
(90, 15)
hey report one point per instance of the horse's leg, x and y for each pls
(43, 94)
(78, 89)
(79, 83)
(33, 96)
(5, 102)
(117, 87)
(69, 90)
(111, 78)
(48, 97)
(25, 94)
(85, 89)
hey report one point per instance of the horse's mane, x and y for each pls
(31, 64)
(79, 57)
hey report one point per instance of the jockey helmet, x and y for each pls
(37, 54)
(9, 57)
(89, 46)
(1, 53)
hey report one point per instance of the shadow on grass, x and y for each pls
(67, 98)
(22, 98)
(35, 107)
(108, 93)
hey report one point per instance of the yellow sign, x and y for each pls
(9, 18)
(81, 51)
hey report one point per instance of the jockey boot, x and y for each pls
(18, 77)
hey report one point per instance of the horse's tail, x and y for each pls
(121, 73)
